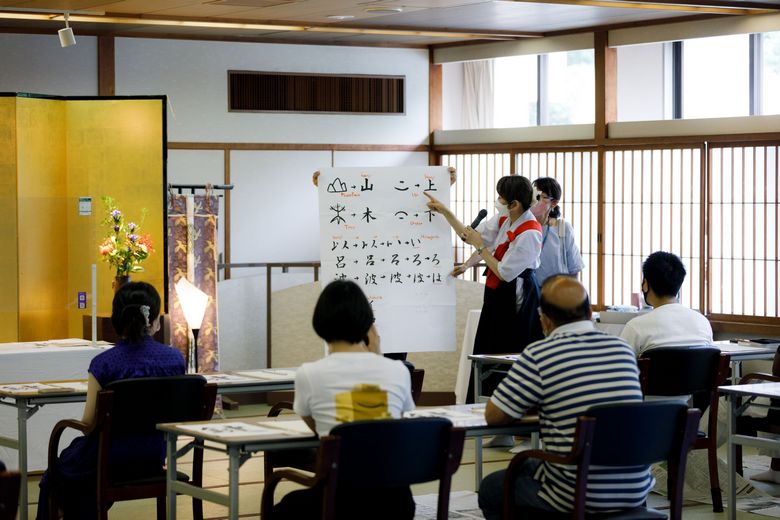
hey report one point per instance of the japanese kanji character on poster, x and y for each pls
(376, 230)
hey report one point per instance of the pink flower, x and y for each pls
(106, 247)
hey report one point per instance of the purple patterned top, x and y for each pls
(129, 455)
(146, 359)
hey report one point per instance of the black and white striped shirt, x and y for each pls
(576, 367)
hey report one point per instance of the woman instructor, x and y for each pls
(510, 244)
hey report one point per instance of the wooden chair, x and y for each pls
(366, 456)
(631, 434)
(696, 371)
(9, 494)
(747, 425)
(131, 407)
(306, 459)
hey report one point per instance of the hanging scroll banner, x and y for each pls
(376, 230)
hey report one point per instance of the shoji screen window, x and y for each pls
(652, 202)
(576, 172)
(744, 230)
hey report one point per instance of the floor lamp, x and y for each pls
(193, 304)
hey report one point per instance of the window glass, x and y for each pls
(640, 82)
(715, 78)
(771, 73)
(570, 88)
(515, 91)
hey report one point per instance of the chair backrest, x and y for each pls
(682, 370)
(418, 376)
(138, 405)
(9, 494)
(638, 433)
(635, 434)
(393, 453)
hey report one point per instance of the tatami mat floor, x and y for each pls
(251, 478)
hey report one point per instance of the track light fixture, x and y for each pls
(66, 35)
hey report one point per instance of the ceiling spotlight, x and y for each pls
(66, 35)
(339, 17)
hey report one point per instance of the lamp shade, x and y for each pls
(193, 302)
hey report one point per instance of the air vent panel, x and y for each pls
(253, 91)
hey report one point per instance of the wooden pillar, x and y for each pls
(434, 105)
(606, 112)
(226, 179)
(606, 85)
(106, 66)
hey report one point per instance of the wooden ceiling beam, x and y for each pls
(723, 7)
(179, 22)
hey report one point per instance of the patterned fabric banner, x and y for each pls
(192, 253)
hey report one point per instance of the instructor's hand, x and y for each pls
(472, 237)
(459, 270)
(435, 204)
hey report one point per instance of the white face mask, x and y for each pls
(502, 209)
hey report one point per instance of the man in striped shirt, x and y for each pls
(573, 368)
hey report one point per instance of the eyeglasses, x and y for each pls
(540, 196)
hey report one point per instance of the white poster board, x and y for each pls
(376, 230)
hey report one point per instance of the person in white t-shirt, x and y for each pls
(354, 382)
(669, 324)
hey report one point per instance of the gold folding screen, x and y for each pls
(54, 151)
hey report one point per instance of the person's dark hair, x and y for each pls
(551, 187)
(664, 273)
(127, 315)
(342, 313)
(561, 316)
(516, 187)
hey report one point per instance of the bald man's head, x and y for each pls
(564, 300)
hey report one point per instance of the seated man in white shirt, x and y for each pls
(669, 324)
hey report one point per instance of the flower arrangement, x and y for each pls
(125, 247)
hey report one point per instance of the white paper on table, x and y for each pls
(273, 374)
(227, 378)
(376, 230)
(457, 418)
(229, 429)
(293, 426)
(33, 388)
(76, 386)
(71, 342)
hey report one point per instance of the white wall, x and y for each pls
(640, 82)
(452, 95)
(194, 76)
(37, 64)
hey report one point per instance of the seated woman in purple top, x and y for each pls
(134, 315)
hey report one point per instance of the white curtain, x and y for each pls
(478, 94)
